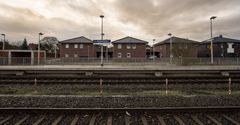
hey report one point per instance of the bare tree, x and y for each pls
(49, 44)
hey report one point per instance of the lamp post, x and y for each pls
(102, 16)
(88, 52)
(171, 55)
(39, 35)
(3, 47)
(153, 48)
(211, 20)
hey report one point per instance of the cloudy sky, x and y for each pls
(144, 19)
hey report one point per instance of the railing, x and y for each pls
(132, 61)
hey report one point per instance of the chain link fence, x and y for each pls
(132, 61)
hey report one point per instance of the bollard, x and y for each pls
(229, 86)
(166, 86)
(101, 89)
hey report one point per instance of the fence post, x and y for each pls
(35, 86)
(229, 86)
(23, 61)
(166, 86)
(101, 89)
(181, 60)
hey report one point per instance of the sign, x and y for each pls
(230, 48)
(101, 41)
(209, 46)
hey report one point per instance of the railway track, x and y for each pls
(113, 76)
(165, 116)
(119, 80)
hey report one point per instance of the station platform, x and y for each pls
(119, 67)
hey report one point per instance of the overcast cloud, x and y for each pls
(144, 19)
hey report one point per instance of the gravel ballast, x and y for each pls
(41, 101)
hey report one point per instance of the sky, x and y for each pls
(143, 19)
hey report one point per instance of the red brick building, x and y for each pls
(222, 47)
(180, 48)
(79, 47)
(33, 46)
(129, 47)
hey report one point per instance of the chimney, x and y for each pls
(221, 36)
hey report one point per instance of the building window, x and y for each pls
(119, 46)
(66, 55)
(230, 48)
(128, 46)
(134, 46)
(67, 46)
(128, 55)
(81, 46)
(75, 45)
(119, 55)
(75, 55)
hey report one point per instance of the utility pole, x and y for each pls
(171, 54)
(153, 49)
(211, 20)
(39, 35)
(102, 34)
(3, 48)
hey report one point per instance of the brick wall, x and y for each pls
(3, 54)
(81, 52)
(139, 52)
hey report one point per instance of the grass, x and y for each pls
(16, 91)
(29, 91)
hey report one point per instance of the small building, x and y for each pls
(129, 47)
(180, 48)
(33, 46)
(222, 47)
(9, 57)
(79, 47)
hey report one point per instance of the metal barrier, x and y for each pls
(132, 61)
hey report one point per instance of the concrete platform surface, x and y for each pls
(114, 67)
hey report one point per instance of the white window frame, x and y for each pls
(67, 46)
(75, 55)
(119, 55)
(81, 46)
(128, 55)
(119, 46)
(75, 46)
(134, 46)
(128, 46)
(66, 55)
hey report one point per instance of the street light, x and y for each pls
(153, 48)
(88, 51)
(171, 55)
(211, 20)
(3, 41)
(39, 34)
(102, 16)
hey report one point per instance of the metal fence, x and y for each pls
(132, 61)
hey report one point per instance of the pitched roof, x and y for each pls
(129, 39)
(176, 40)
(81, 39)
(221, 39)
